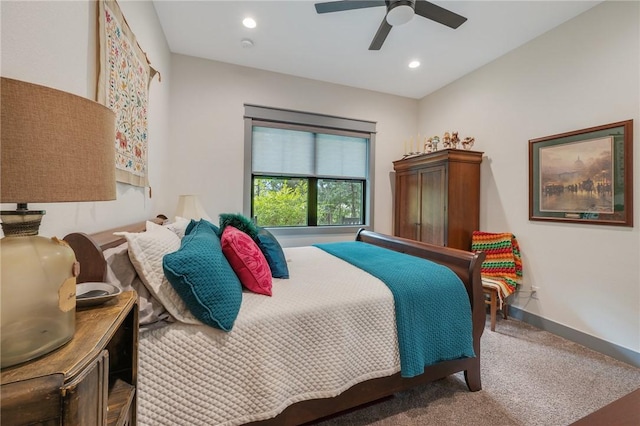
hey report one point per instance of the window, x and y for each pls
(306, 171)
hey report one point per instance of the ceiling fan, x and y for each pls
(398, 12)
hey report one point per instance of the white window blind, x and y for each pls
(341, 156)
(288, 152)
(282, 152)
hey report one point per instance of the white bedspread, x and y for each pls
(328, 327)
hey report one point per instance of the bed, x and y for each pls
(326, 341)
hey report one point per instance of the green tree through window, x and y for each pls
(339, 202)
(280, 202)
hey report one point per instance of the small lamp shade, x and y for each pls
(189, 207)
(54, 147)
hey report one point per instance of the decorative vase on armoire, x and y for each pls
(437, 197)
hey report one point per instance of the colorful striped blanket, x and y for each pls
(433, 313)
(502, 268)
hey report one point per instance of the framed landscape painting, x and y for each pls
(584, 176)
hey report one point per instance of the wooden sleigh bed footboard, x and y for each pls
(466, 265)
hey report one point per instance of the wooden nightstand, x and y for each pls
(89, 381)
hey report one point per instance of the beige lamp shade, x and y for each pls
(55, 146)
(189, 207)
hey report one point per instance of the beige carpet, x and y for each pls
(529, 377)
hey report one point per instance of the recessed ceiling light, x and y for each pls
(414, 64)
(249, 22)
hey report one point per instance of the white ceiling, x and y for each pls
(291, 38)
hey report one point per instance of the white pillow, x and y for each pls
(146, 250)
(178, 226)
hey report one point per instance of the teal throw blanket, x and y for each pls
(433, 313)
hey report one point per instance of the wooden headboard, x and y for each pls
(88, 249)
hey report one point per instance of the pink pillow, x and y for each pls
(246, 260)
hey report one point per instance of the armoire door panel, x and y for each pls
(433, 217)
(407, 206)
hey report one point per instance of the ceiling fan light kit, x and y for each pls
(398, 12)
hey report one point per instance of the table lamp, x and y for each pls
(54, 147)
(189, 207)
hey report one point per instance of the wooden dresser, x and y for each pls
(437, 197)
(89, 381)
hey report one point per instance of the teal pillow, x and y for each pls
(240, 222)
(203, 278)
(193, 223)
(270, 247)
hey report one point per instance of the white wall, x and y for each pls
(54, 43)
(207, 107)
(582, 74)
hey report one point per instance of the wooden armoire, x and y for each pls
(437, 197)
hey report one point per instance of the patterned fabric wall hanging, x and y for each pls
(123, 86)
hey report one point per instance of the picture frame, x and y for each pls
(583, 176)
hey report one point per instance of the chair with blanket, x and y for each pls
(501, 271)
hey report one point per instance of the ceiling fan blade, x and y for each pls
(339, 6)
(381, 35)
(438, 14)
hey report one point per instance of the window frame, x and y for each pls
(256, 115)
